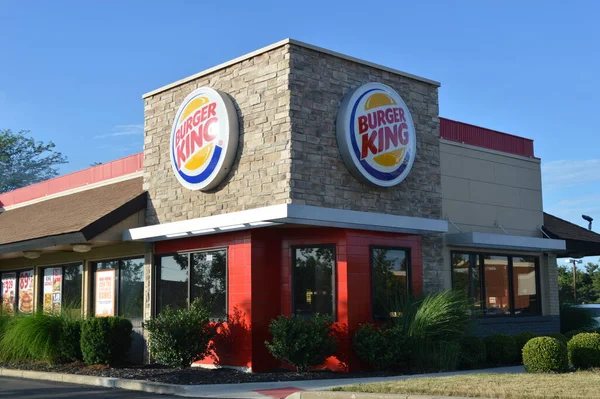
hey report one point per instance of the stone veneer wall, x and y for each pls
(260, 175)
(318, 83)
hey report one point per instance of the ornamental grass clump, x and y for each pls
(433, 326)
(177, 338)
(545, 355)
(584, 350)
(302, 343)
(31, 338)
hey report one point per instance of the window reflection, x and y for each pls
(313, 280)
(390, 280)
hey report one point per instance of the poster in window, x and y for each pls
(26, 291)
(52, 289)
(105, 293)
(9, 288)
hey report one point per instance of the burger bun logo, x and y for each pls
(204, 139)
(376, 135)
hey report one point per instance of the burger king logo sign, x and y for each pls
(204, 139)
(376, 135)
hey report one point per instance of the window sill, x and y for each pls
(513, 319)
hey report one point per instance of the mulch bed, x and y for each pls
(189, 376)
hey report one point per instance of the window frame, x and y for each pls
(334, 293)
(371, 272)
(17, 312)
(40, 283)
(480, 257)
(157, 276)
(94, 269)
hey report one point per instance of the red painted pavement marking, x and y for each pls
(279, 393)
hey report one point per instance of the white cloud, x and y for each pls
(568, 173)
(123, 130)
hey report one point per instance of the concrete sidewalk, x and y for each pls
(254, 390)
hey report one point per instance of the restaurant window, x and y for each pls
(118, 288)
(313, 280)
(17, 292)
(61, 289)
(390, 277)
(498, 284)
(182, 278)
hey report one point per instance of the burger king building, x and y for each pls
(293, 180)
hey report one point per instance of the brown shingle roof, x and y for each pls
(567, 230)
(87, 212)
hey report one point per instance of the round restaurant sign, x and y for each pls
(376, 135)
(204, 139)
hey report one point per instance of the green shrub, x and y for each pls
(32, 338)
(3, 323)
(105, 340)
(572, 318)
(179, 338)
(521, 339)
(560, 337)
(69, 344)
(572, 333)
(382, 348)
(501, 349)
(545, 354)
(473, 352)
(584, 350)
(300, 342)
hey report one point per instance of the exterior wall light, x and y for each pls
(82, 247)
(31, 254)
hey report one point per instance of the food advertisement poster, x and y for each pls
(26, 291)
(9, 289)
(105, 293)
(52, 289)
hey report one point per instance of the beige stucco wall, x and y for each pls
(481, 187)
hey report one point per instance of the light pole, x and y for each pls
(574, 262)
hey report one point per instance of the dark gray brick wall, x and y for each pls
(514, 325)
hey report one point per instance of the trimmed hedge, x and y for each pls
(572, 333)
(105, 340)
(501, 349)
(521, 339)
(177, 338)
(560, 337)
(69, 344)
(584, 350)
(545, 354)
(473, 352)
(381, 348)
(303, 343)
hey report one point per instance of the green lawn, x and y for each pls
(583, 384)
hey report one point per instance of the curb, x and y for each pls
(360, 395)
(105, 382)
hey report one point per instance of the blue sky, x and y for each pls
(74, 72)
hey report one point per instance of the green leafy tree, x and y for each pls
(24, 161)
(588, 284)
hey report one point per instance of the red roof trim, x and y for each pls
(485, 138)
(95, 174)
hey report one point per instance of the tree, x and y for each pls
(588, 284)
(24, 161)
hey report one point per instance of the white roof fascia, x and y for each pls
(505, 241)
(286, 213)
